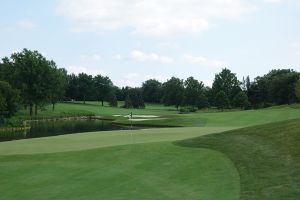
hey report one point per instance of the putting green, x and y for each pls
(82, 141)
(139, 171)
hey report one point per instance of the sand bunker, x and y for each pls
(142, 116)
(140, 119)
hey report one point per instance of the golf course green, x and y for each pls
(244, 155)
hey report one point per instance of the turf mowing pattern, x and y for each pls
(216, 160)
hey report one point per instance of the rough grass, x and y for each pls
(267, 158)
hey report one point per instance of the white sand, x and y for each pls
(142, 116)
(137, 120)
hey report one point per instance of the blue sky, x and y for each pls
(134, 40)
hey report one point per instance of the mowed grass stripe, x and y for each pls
(82, 141)
(140, 171)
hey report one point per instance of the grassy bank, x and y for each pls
(267, 158)
(168, 116)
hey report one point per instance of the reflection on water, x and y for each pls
(53, 128)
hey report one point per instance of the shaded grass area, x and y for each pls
(148, 171)
(267, 158)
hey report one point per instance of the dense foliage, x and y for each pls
(9, 98)
(38, 81)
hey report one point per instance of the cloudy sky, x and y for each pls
(134, 40)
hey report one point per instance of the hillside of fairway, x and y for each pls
(211, 159)
(267, 158)
(168, 116)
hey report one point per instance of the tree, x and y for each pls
(31, 73)
(9, 100)
(85, 86)
(103, 86)
(173, 91)
(152, 91)
(202, 102)
(128, 102)
(281, 86)
(72, 92)
(227, 82)
(222, 100)
(276, 87)
(57, 84)
(193, 90)
(134, 99)
(241, 100)
(297, 89)
(112, 100)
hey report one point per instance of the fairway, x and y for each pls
(170, 116)
(216, 160)
(150, 100)
(91, 140)
(267, 158)
(146, 171)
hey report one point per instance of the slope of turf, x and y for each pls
(81, 141)
(235, 118)
(267, 158)
(259, 162)
(171, 117)
(140, 171)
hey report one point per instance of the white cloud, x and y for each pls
(168, 46)
(155, 17)
(129, 79)
(160, 78)
(117, 57)
(90, 57)
(26, 24)
(204, 61)
(152, 57)
(294, 45)
(273, 1)
(135, 79)
(140, 56)
(79, 69)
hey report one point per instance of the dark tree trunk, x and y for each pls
(30, 109)
(102, 103)
(35, 110)
(53, 106)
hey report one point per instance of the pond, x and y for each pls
(53, 128)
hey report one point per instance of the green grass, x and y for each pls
(171, 116)
(81, 141)
(200, 161)
(78, 108)
(267, 158)
(259, 162)
(147, 171)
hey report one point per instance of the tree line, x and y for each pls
(29, 80)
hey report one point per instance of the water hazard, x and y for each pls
(53, 128)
